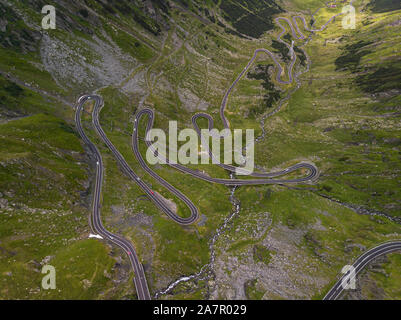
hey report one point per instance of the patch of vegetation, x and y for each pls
(163, 5)
(130, 45)
(300, 53)
(287, 37)
(178, 250)
(16, 101)
(252, 291)
(128, 9)
(283, 49)
(378, 76)
(220, 43)
(15, 34)
(301, 56)
(262, 254)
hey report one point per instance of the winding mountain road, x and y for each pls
(263, 178)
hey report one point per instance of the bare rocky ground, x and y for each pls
(170, 203)
(136, 85)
